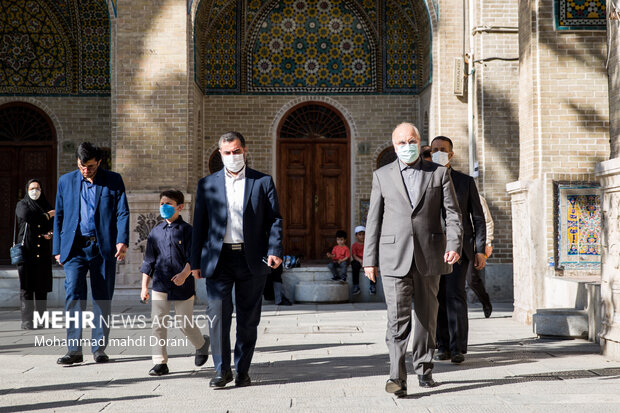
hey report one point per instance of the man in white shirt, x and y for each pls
(237, 223)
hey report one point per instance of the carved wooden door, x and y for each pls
(313, 180)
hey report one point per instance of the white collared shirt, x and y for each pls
(235, 190)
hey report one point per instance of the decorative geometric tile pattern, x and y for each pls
(94, 24)
(254, 7)
(312, 46)
(60, 47)
(400, 47)
(580, 14)
(220, 71)
(583, 225)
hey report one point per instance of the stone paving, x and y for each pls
(316, 358)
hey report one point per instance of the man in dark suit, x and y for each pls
(91, 232)
(237, 223)
(452, 323)
(405, 238)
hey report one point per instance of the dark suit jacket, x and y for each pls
(396, 232)
(111, 213)
(262, 222)
(474, 233)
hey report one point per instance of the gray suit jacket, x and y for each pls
(396, 232)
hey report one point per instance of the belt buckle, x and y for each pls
(235, 247)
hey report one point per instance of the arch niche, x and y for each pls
(313, 178)
(27, 151)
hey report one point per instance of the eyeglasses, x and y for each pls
(90, 167)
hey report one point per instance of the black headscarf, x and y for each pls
(41, 203)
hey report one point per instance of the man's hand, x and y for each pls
(144, 294)
(488, 250)
(57, 258)
(51, 213)
(451, 257)
(121, 251)
(274, 261)
(480, 261)
(179, 279)
(371, 273)
(196, 274)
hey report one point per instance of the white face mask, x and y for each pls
(234, 163)
(442, 158)
(34, 194)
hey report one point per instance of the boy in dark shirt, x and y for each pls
(166, 261)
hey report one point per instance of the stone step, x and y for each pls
(561, 322)
(321, 292)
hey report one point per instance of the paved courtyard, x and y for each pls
(315, 358)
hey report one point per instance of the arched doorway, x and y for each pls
(27, 150)
(313, 178)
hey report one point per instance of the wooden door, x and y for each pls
(313, 179)
(313, 188)
(27, 151)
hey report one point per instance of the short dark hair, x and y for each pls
(445, 139)
(341, 234)
(230, 137)
(176, 196)
(426, 153)
(87, 151)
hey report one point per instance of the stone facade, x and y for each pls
(563, 128)
(537, 121)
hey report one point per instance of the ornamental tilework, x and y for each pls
(580, 14)
(400, 47)
(579, 237)
(60, 47)
(312, 46)
(583, 225)
(221, 47)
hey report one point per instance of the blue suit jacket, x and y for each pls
(111, 213)
(262, 222)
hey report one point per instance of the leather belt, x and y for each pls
(233, 247)
(89, 239)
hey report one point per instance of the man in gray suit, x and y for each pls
(405, 237)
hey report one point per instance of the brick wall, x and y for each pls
(76, 119)
(497, 117)
(371, 119)
(150, 111)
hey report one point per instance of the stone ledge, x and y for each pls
(321, 292)
(561, 322)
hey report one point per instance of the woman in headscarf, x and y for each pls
(35, 274)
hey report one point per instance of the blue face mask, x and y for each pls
(408, 152)
(166, 211)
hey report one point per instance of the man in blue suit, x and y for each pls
(91, 233)
(237, 224)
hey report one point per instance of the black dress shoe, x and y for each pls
(442, 355)
(159, 370)
(426, 380)
(398, 387)
(488, 309)
(457, 358)
(100, 357)
(221, 379)
(243, 380)
(202, 354)
(69, 359)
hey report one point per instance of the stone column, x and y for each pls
(609, 174)
(151, 143)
